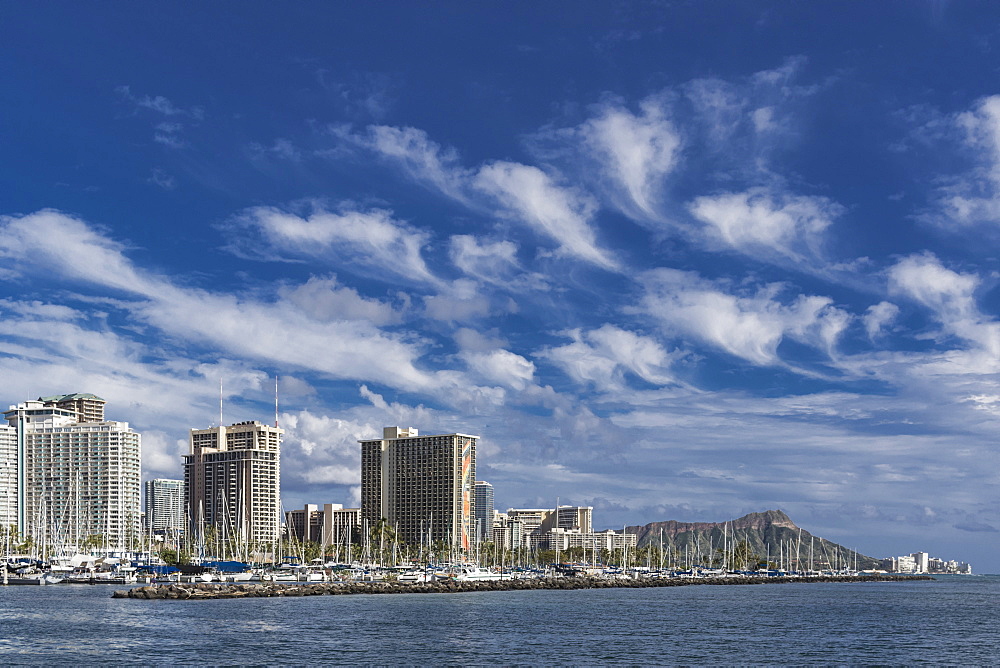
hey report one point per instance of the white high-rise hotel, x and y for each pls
(10, 467)
(67, 473)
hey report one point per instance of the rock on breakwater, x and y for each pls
(203, 591)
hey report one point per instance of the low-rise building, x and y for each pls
(538, 523)
(590, 541)
(331, 524)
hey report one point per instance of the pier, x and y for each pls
(204, 591)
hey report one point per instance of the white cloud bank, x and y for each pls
(275, 332)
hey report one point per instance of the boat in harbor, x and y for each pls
(31, 579)
(473, 573)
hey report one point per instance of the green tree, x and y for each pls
(174, 557)
(743, 556)
(92, 542)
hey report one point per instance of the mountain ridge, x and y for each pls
(770, 535)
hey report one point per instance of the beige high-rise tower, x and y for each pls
(232, 483)
(421, 485)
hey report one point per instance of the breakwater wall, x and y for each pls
(265, 590)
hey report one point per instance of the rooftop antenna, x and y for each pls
(220, 401)
(275, 401)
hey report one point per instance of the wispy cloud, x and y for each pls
(274, 331)
(524, 193)
(561, 213)
(603, 357)
(974, 197)
(162, 179)
(766, 224)
(372, 242)
(749, 326)
(878, 317)
(169, 133)
(423, 159)
(633, 153)
(949, 295)
(158, 104)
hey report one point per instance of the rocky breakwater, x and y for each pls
(202, 591)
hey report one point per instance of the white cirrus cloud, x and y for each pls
(970, 196)
(275, 331)
(974, 197)
(501, 366)
(493, 261)
(635, 152)
(324, 299)
(463, 299)
(924, 279)
(763, 222)
(70, 246)
(159, 104)
(878, 317)
(749, 326)
(370, 241)
(950, 296)
(562, 214)
(524, 193)
(604, 356)
(423, 159)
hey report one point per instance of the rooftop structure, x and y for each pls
(88, 407)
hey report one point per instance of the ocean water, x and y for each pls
(952, 620)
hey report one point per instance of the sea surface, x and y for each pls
(952, 620)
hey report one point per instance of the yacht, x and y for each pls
(473, 573)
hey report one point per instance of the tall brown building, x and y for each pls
(232, 483)
(421, 485)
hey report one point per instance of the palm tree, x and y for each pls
(384, 536)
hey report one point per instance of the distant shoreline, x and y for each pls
(208, 591)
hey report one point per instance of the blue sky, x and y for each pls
(672, 260)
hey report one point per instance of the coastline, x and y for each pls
(209, 591)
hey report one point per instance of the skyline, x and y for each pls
(669, 260)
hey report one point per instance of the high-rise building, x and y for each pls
(232, 483)
(921, 560)
(75, 479)
(164, 505)
(421, 485)
(484, 511)
(9, 486)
